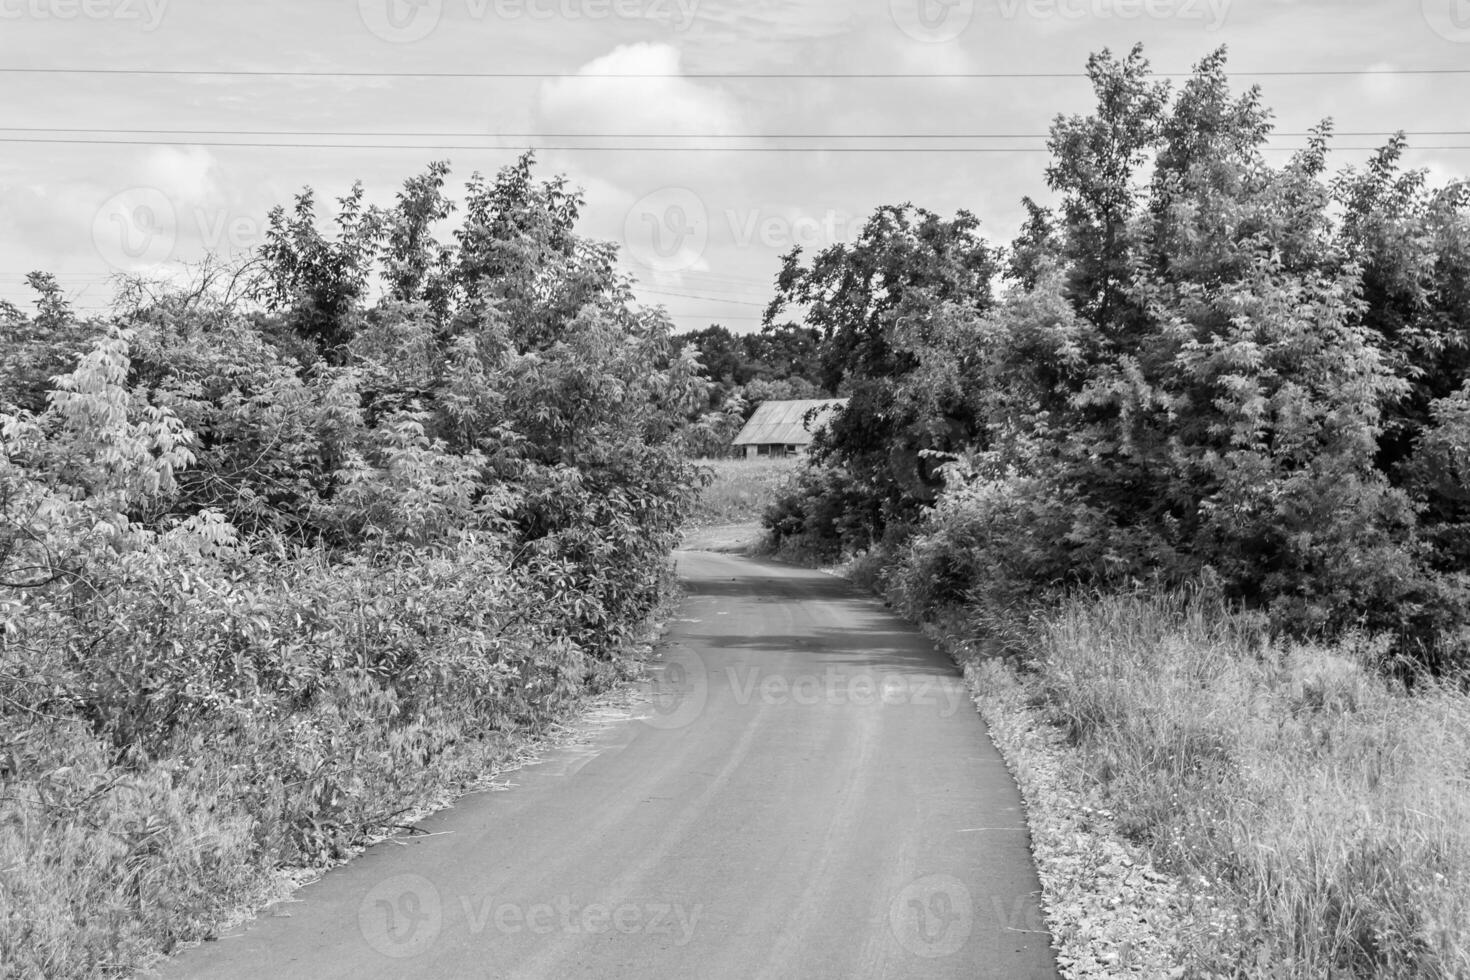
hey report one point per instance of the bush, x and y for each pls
(821, 514)
(272, 581)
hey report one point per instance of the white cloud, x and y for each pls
(670, 104)
(1380, 87)
(187, 174)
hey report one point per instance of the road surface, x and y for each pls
(803, 790)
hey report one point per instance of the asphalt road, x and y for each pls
(803, 791)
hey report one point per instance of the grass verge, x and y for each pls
(1207, 802)
(1316, 814)
(741, 489)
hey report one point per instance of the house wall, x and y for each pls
(768, 449)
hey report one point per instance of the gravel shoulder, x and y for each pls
(1109, 912)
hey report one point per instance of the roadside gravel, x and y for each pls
(1109, 912)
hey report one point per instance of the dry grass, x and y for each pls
(741, 489)
(1316, 815)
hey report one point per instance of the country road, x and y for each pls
(803, 791)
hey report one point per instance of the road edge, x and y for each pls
(1109, 911)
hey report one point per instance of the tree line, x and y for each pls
(1197, 366)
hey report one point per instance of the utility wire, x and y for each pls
(713, 299)
(785, 76)
(604, 148)
(729, 136)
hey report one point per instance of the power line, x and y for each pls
(609, 148)
(713, 299)
(714, 290)
(460, 146)
(719, 277)
(728, 136)
(783, 76)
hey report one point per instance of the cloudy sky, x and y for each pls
(711, 160)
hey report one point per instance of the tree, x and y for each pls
(1094, 162)
(874, 303)
(40, 347)
(320, 282)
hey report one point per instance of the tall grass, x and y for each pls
(1317, 814)
(741, 489)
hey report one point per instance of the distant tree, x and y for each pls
(321, 283)
(39, 347)
(724, 355)
(876, 303)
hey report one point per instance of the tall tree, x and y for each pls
(875, 303)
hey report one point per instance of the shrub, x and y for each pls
(271, 581)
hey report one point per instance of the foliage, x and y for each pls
(38, 347)
(1312, 813)
(1201, 365)
(271, 576)
(744, 370)
(878, 303)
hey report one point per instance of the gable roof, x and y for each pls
(781, 422)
